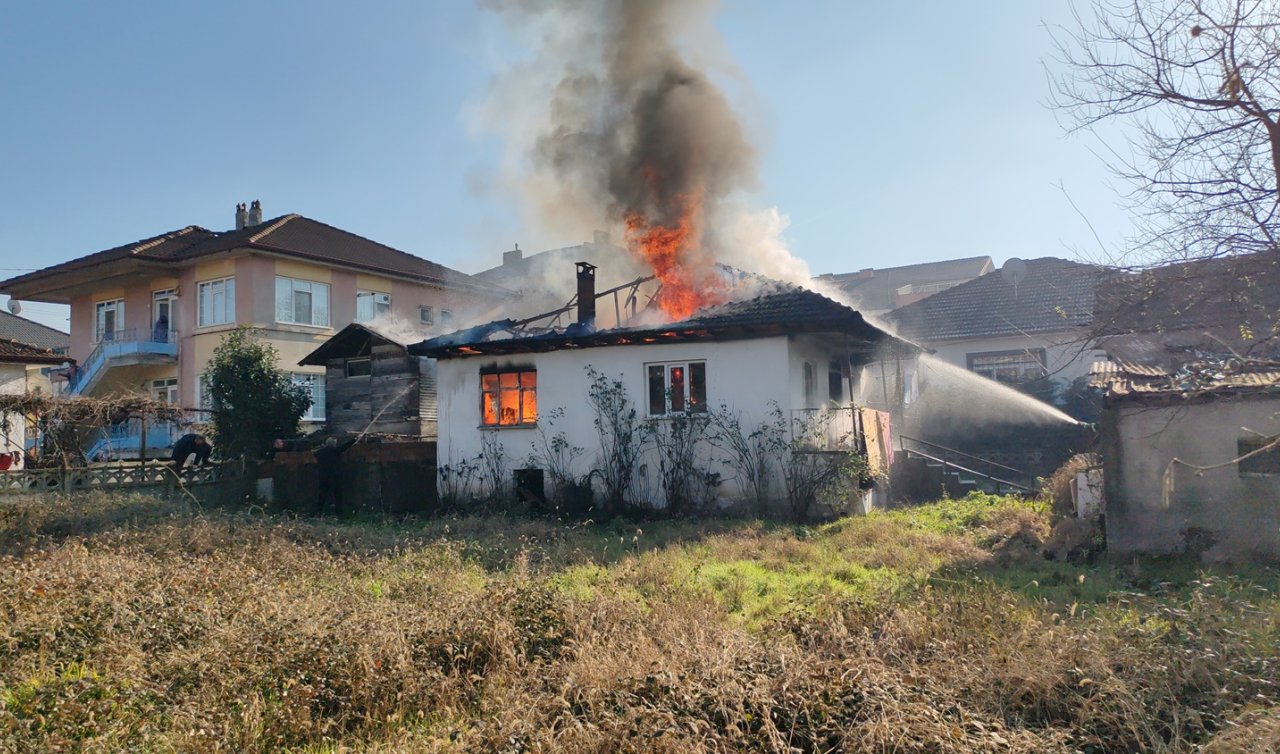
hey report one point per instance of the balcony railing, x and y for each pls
(831, 428)
(117, 344)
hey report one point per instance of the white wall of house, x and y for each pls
(1237, 507)
(1066, 355)
(745, 375)
(13, 381)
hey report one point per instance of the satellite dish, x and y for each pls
(14, 306)
(1014, 271)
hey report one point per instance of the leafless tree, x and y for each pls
(1197, 84)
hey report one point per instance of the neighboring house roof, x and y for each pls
(290, 235)
(1124, 379)
(23, 330)
(1055, 295)
(357, 338)
(13, 352)
(875, 289)
(1229, 291)
(786, 310)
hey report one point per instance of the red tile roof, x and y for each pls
(13, 352)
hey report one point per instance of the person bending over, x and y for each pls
(188, 446)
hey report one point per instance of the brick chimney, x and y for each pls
(513, 256)
(242, 216)
(255, 213)
(586, 294)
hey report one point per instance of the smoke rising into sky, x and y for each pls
(609, 124)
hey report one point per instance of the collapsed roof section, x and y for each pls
(1125, 380)
(785, 310)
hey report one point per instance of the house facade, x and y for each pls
(1036, 328)
(877, 291)
(147, 316)
(20, 365)
(795, 355)
(1191, 457)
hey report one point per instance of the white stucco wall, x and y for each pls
(745, 375)
(1242, 511)
(13, 381)
(1065, 352)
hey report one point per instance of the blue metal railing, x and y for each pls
(126, 438)
(117, 344)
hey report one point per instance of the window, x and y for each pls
(217, 302)
(302, 302)
(446, 318)
(165, 390)
(163, 321)
(677, 388)
(359, 367)
(204, 400)
(1267, 462)
(426, 315)
(1009, 367)
(810, 382)
(108, 317)
(371, 305)
(508, 398)
(835, 382)
(314, 383)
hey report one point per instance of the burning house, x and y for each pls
(785, 355)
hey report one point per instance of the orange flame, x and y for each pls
(671, 251)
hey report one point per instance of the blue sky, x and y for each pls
(888, 134)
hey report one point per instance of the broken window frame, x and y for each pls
(680, 391)
(518, 385)
(363, 367)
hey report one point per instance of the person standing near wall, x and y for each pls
(329, 473)
(191, 445)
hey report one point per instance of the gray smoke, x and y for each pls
(610, 122)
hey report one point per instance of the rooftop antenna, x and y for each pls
(1014, 271)
(15, 307)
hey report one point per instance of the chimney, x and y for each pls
(242, 216)
(586, 294)
(255, 213)
(513, 256)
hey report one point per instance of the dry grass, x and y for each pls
(141, 625)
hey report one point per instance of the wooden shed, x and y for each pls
(372, 382)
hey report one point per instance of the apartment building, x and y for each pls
(147, 315)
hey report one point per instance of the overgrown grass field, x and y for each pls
(134, 624)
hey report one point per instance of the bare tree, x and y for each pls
(1197, 83)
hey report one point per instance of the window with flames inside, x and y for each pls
(509, 398)
(679, 388)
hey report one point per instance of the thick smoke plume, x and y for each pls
(611, 124)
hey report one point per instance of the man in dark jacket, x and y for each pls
(329, 472)
(191, 445)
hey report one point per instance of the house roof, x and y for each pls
(783, 310)
(874, 289)
(23, 330)
(14, 352)
(291, 235)
(1207, 376)
(1209, 293)
(1055, 295)
(356, 339)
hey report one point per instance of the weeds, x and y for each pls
(151, 626)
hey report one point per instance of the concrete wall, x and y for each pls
(1240, 512)
(745, 375)
(13, 381)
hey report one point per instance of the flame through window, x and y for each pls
(677, 388)
(509, 398)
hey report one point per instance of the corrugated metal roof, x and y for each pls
(1120, 379)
